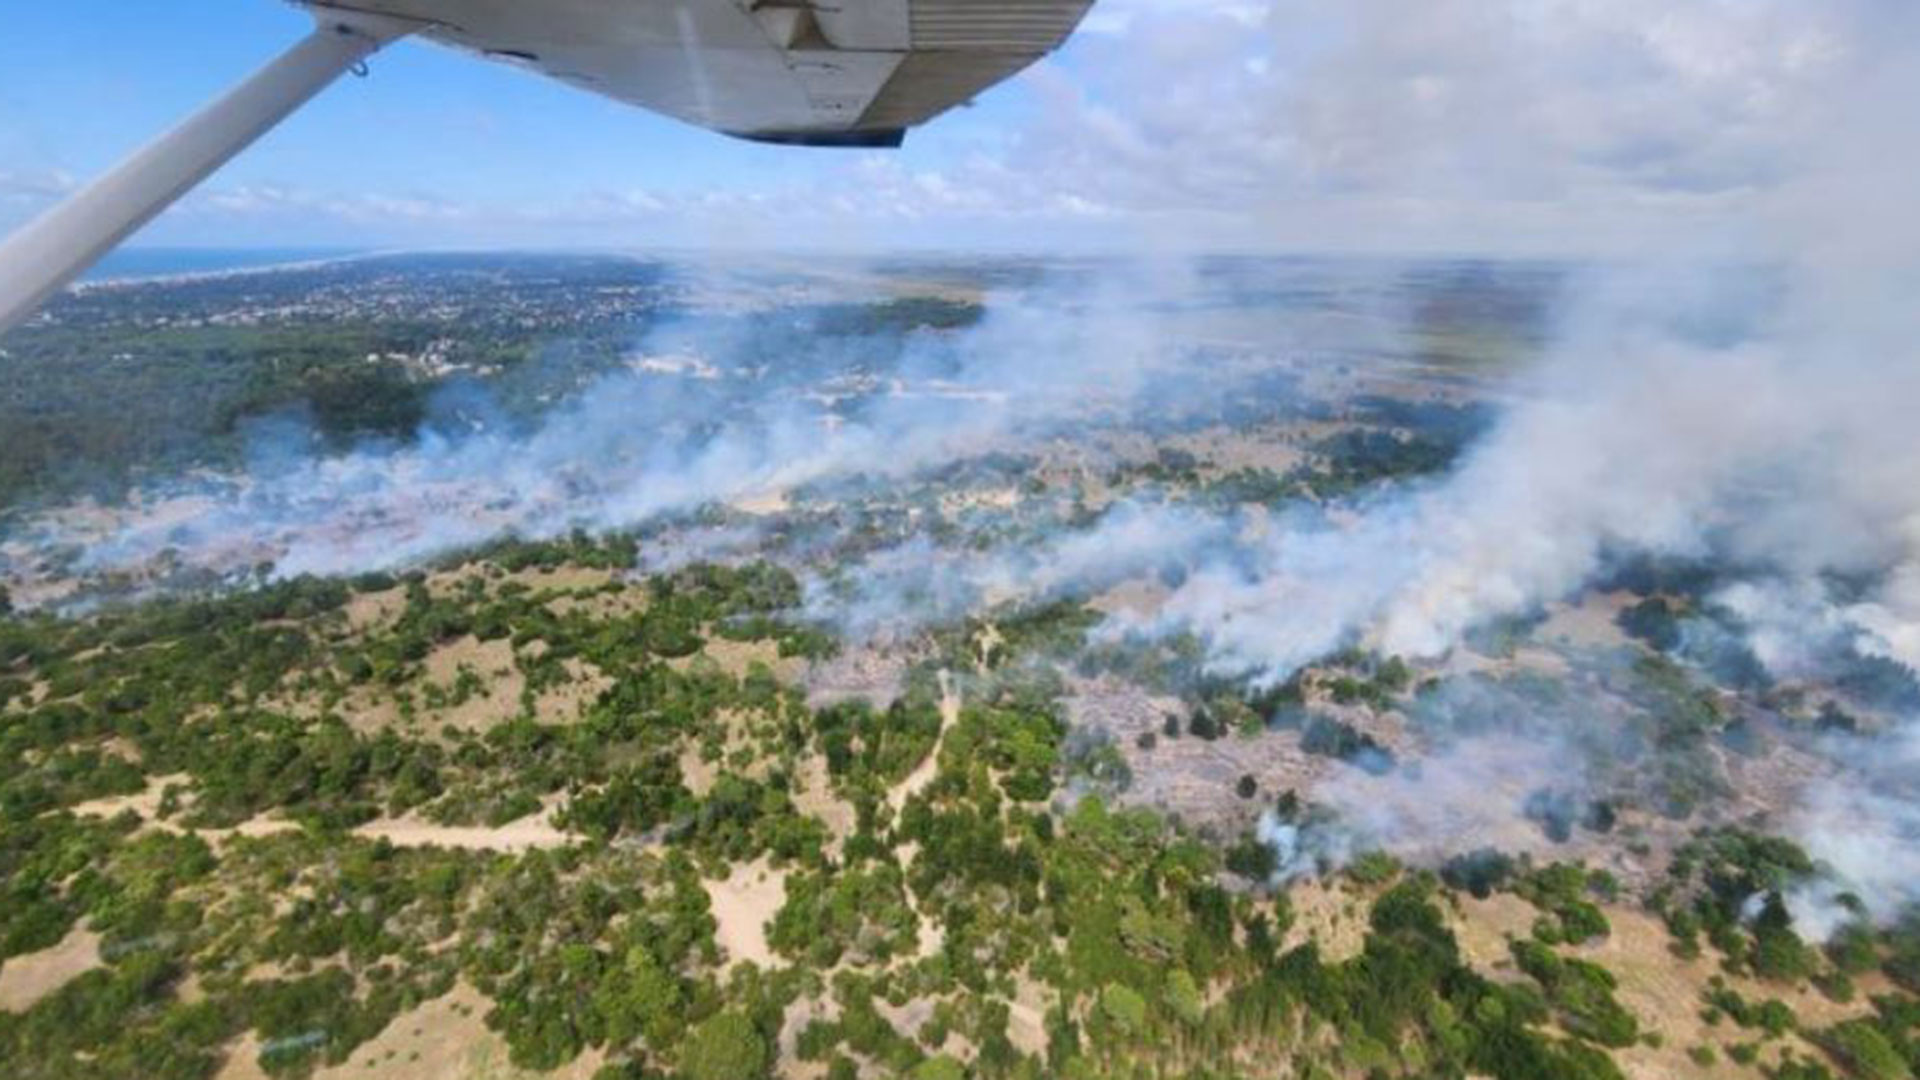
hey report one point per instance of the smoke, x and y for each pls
(1766, 427)
(1640, 435)
(700, 416)
(1747, 402)
(1863, 826)
(920, 583)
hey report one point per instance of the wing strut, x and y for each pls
(45, 255)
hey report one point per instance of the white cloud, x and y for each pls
(35, 185)
(1496, 125)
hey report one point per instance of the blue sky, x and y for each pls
(1540, 126)
(84, 81)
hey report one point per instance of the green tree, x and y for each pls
(1861, 1047)
(725, 1046)
(1124, 1007)
(1182, 998)
(942, 1067)
(641, 1000)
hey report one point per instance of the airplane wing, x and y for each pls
(808, 72)
(816, 72)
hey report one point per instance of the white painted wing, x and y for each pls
(854, 72)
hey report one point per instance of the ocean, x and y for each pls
(164, 262)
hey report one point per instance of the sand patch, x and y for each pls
(145, 804)
(26, 979)
(736, 658)
(496, 701)
(1027, 1016)
(375, 610)
(602, 603)
(243, 1060)
(443, 1039)
(365, 710)
(568, 702)
(857, 674)
(743, 903)
(535, 831)
(798, 1015)
(764, 504)
(930, 935)
(696, 772)
(1328, 914)
(1589, 622)
(563, 579)
(906, 1019)
(1663, 993)
(813, 796)
(1485, 927)
(959, 502)
(1139, 597)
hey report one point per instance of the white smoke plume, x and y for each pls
(1747, 394)
(1759, 409)
(920, 583)
(635, 445)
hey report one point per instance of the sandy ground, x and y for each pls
(493, 662)
(569, 701)
(764, 504)
(1140, 598)
(1484, 927)
(1588, 622)
(1329, 913)
(743, 903)
(909, 1018)
(957, 502)
(512, 838)
(146, 806)
(863, 673)
(814, 797)
(535, 831)
(375, 610)
(602, 605)
(565, 578)
(736, 658)
(1027, 1016)
(1662, 991)
(525, 834)
(444, 1039)
(798, 1016)
(498, 702)
(696, 772)
(26, 979)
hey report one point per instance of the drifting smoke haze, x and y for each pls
(633, 446)
(1760, 419)
(1749, 402)
(919, 583)
(1466, 797)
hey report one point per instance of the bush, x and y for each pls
(1862, 1049)
(725, 1046)
(1125, 1007)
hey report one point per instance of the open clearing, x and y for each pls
(743, 903)
(28, 978)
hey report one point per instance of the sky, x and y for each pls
(1556, 127)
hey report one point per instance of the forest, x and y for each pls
(985, 907)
